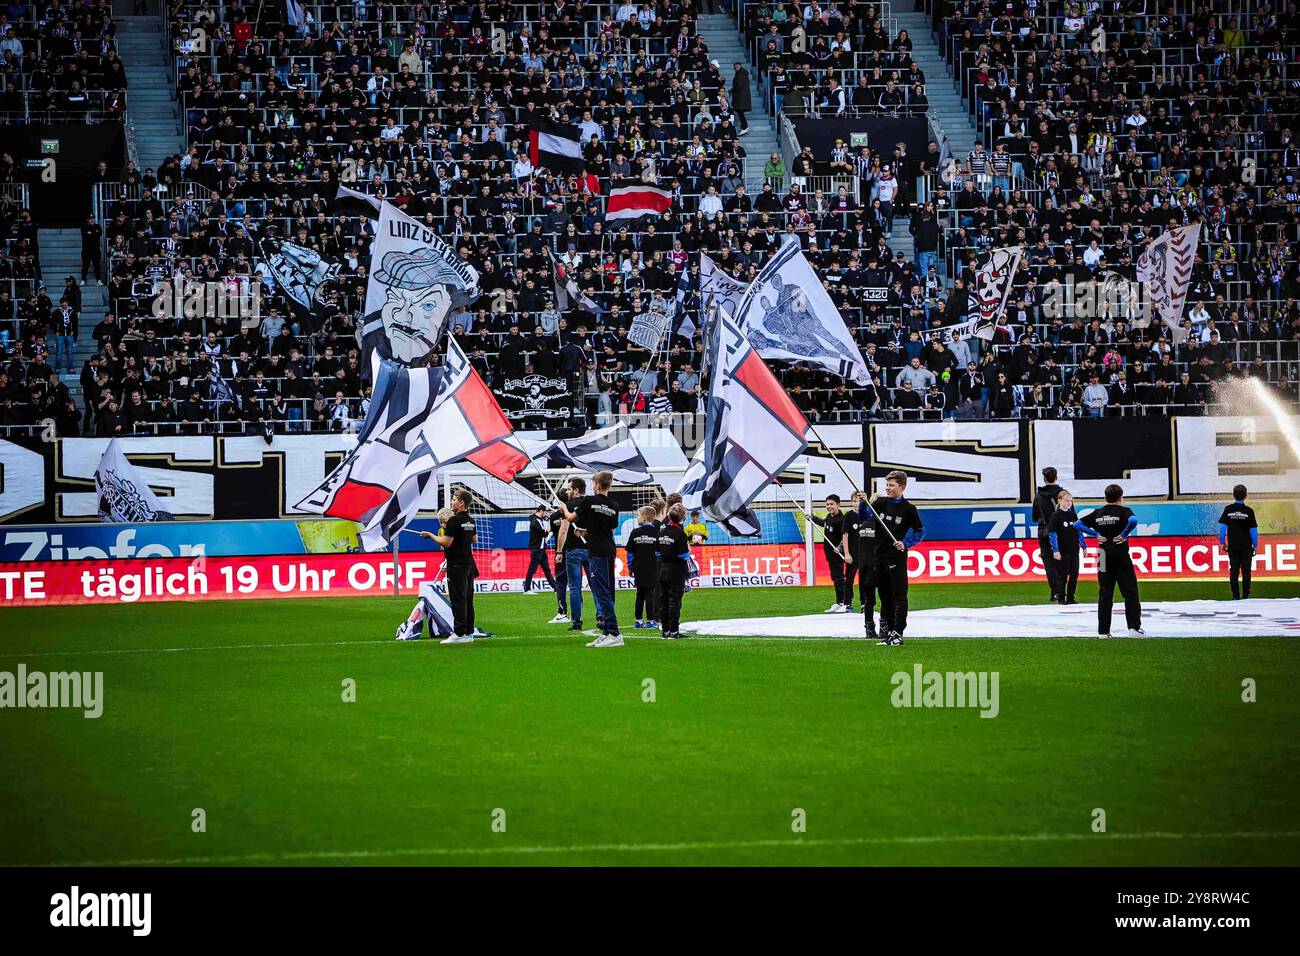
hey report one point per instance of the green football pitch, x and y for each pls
(531, 749)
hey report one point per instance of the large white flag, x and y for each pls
(753, 431)
(1166, 269)
(123, 493)
(416, 279)
(987, 298)
(787, 315)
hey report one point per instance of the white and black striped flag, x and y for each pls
(556, 146)
(632, 199)
(609, 449)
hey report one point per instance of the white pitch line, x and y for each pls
(673, 847)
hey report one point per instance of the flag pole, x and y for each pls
(853, 484)
(808, 515)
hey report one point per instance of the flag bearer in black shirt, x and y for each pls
(1113, 524)
(1063, 539)
(539, 529)
(643, 565)
(835, 546)
(1239, 538)
(457, 537)
(674, 570)
(898, 528)
(862, 552)
(595, 517)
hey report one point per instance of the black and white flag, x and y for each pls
(300, 273)
(648, 329)
(124, 494)
(351, 202)
(416, 279)
(609, 449)
(788, 317)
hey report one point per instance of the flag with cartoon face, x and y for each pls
(416, 279)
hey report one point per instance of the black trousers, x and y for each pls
(561, 584)
(1068, 571)
(1115, 570)
(867, 593)
(1049, 565)
(646, 589)
(672, 585)
(90, 260)
(843, 584)
(1239, 563)
(460, 593)
(537, 559)
(891, 584)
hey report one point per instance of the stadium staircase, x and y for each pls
(60, 258)
(947, 111)
(151, 99)
(727, 46)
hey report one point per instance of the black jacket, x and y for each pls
(1045, 507)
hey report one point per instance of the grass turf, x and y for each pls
(235, 708)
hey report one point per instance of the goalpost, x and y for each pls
(782, 553)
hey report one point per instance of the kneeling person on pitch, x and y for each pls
(898, 527)
(675, 565)
(1113, 524)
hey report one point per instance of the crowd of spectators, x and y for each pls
(59, 63)
(426, 105)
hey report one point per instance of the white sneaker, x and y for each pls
(410, 630)
(1103, 636)
(559, 619)
(834, 609)
(608, 640)
(1136, 632)
(458, 639)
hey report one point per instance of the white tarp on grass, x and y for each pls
(1257, 617)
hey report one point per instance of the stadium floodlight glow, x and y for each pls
(1285, 423)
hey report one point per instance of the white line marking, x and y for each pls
(673, 847)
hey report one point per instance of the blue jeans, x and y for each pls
(576, 560)
(601, 571)
(923, 262)
(63, 346)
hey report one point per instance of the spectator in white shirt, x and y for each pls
(1095, 397)
(711, 203)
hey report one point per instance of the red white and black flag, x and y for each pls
(632, 199)
(556, 146)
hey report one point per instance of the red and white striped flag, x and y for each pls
(632, 199)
